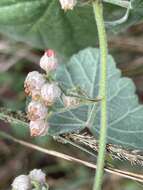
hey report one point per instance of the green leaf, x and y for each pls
(125, 115)
(43, 24)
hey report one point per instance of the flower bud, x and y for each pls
(70, 101)
(21, 182)
(68, 4)
(33, 83)
(38, 175)
(39, 128)
(50, 93)
(48, 61)
(37, 111)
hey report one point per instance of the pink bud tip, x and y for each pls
(50, 53)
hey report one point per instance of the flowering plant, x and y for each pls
(78, 89)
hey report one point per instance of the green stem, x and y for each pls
(98, 11)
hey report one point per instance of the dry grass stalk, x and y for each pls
(115, 151)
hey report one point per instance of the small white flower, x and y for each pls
(37, 111)
(38, 175)
(48, 61)
(21, 182)
(70, 101)
(38, 128)
(33, 84)
(68, 4)
(50, 93)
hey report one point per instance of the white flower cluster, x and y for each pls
(25, 182)
(43, 94)
(68, 4)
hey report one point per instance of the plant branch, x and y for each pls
(98, 12)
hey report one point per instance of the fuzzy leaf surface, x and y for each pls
(125, 114)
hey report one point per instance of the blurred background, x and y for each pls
(16, 60)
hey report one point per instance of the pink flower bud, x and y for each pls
(50, 93)
(38, 175)
(37, 111)
(33, 83)
(38, 128)
(21, 182)
(68, 4)
(70, 101)
(48, 61)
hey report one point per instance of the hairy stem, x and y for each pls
(98, 12)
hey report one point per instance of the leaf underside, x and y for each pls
(125, 115)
